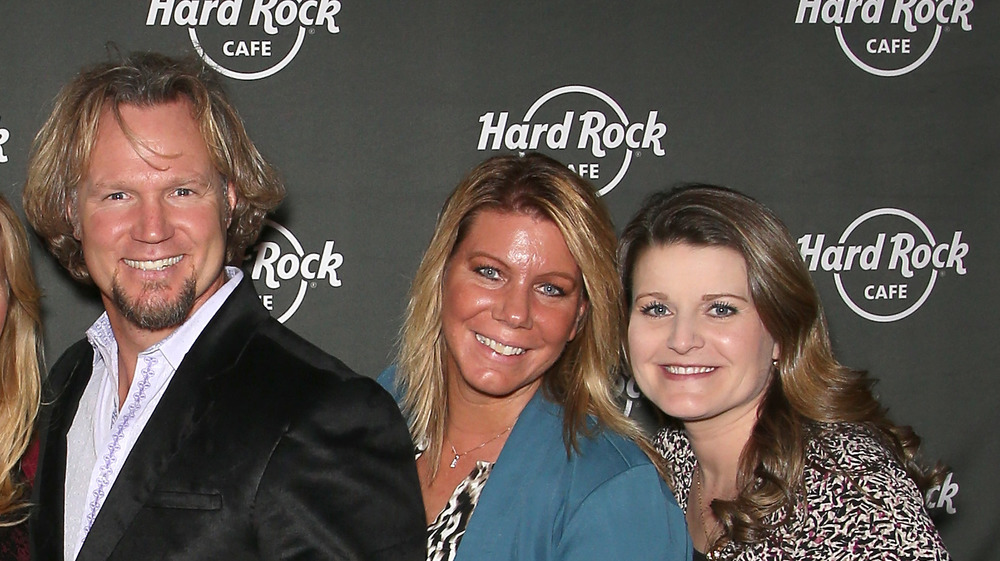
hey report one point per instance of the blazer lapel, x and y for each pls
(184, 402)
(64, 389)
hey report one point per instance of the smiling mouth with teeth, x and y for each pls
(499, 348)
(687, 370)
(157, 265)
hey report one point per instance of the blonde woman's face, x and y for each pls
(698, 347)
(513, 298)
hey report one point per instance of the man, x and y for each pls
(189, 424)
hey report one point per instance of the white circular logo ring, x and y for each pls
(893, 72)
(930, 285)
(303, 285)
(606, 99)
(193, 34)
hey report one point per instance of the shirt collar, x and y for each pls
(174, 346)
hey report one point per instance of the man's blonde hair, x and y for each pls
(61, 151)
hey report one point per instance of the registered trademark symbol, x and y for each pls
(312, 31)
(312, 284)
(637, 153)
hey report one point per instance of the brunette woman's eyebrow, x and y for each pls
(716, 296)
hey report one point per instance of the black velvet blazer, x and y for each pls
(262, 447)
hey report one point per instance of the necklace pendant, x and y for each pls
(454, 462)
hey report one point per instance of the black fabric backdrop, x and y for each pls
(854, 123)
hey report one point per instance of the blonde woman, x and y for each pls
(505, 372)
(19, 381)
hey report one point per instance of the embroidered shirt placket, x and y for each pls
(120, 424)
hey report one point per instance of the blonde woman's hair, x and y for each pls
(582, 379)
(20, 358)
(61, 150)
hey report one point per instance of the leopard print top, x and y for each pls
(445, 533)
(859, 504)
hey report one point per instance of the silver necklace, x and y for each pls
(458, 456)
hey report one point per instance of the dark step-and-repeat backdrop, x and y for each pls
(870, 126)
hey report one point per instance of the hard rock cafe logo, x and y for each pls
(4, 137)
(886, 262)
(628, 393)
(888, 39)
(283, 272)
(941, 496)
(586, 127)
(247, 44)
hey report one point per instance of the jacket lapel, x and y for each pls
(527, 458)
(184, 402)
(64, 388)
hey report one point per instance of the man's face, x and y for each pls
(151, 215)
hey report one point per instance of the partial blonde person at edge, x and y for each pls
(777, 450)
(505, 373)
(20, 357)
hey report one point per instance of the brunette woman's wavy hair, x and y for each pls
(20, 359)
(809, 391)
(582, 379)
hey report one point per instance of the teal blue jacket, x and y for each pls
(605, 502)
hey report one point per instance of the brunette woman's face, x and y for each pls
(698, 347)
(513, 297)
